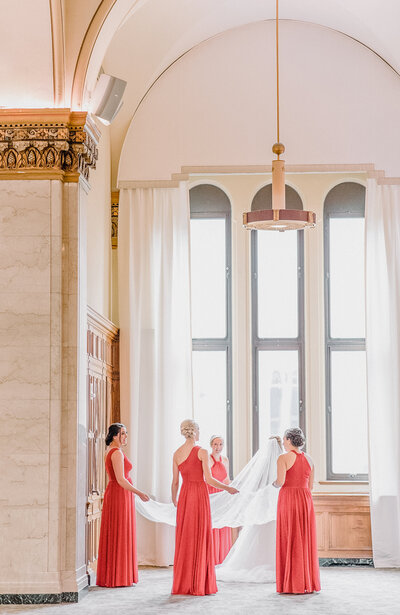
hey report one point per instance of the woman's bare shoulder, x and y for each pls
(284, 457)
(178, 451)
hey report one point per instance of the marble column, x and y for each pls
(45, 156)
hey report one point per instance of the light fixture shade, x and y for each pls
(278, 219)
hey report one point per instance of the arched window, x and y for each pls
(277, 324)
(210, 247)
(346, 400)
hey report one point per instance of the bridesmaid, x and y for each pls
(194, 571)
(222, 538)
(117, 562)
(297, 568)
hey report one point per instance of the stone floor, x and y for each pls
(355, 591)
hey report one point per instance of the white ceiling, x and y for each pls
(158, 32)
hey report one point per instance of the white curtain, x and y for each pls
(383, 367)
(155, 344)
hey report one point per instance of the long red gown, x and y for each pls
(222, 538)
(297, 569)
(194, 571)
(117, 561)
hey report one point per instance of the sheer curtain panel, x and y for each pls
(383, 367)
(155, 347)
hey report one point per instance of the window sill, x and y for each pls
(343, 482)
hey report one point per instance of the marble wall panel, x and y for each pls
(25, 374)
(56, 252)
(26, 481)
(24, 264)
(24, 208)
(56, 208)
(24, 319)
(26, 550)
(25, 423)
(56, 319)
(43, 386)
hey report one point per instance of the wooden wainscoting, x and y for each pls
(343, 525)
(103, 409)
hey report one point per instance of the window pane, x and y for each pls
(349, 412)
(208, 278)
(347, 277)
(277, 284)
(278, 392)
(209, 393)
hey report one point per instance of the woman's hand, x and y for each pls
(143, 496)
(231, 490)
(278, 439)
(175, 503)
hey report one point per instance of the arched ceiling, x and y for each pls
(157, 32)
(41, 41)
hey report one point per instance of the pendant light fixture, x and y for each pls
(278, 218)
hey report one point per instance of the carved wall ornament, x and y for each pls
(53, 143)
(114, 218)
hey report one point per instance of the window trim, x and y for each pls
(223, 343)
(277, 343)
(352, 209)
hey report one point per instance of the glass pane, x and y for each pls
(347, 277)
(209, 393)
(349, 412)
(208, 278)
(277, 284)
(278, 392)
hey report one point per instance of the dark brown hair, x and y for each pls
(113, 430)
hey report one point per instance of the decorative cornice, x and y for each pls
(114, 218)
(47, 144)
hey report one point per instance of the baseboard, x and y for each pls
(326, 562)
(43, 598)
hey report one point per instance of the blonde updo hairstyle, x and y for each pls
(189, 428)
(216, 436)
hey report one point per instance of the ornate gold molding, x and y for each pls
(114, 218)
(47, 144)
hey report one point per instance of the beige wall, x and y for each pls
(99, 230)
(216, 106)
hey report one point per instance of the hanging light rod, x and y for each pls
(278, 218)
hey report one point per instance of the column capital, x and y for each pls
(47, 144)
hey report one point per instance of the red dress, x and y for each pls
(117, 562)
(194, 571)
(297, 568)
(222, 538)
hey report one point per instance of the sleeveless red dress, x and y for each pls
(222, 538)
(194, 571)
(117, 561)
(297, 567)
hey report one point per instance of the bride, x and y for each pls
(252, 557)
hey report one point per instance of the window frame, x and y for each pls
(224, 343)
(340, 209)
(259, 344)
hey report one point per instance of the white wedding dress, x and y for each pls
(252, 557)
